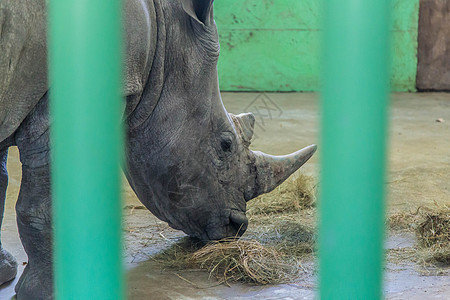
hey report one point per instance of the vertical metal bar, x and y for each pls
(353, 148)
(85, 81)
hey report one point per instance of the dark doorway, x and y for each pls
(433, 69)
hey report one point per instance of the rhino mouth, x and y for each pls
(234, 227)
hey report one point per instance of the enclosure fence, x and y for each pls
(85, 79)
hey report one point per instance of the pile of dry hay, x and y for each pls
(245, 261)
(270, 251)
(434, 237)
(285, 218)
(290, 197)
(232, 260)
(432, 229)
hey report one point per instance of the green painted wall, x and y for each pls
(269, 45)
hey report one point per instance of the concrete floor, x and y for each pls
(419, 174)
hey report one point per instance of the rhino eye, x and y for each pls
(226, 144)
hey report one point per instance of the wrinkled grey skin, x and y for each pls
(188, 160)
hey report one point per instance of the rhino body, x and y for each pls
(188, 160)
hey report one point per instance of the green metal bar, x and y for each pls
(85, 81)
(354, 127)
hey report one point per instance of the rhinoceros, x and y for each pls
(188, 160)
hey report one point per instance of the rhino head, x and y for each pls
(188, 159)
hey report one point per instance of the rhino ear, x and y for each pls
(245, 125)
(199, 10)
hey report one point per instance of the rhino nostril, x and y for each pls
(239, 222)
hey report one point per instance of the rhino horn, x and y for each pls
(271, 170)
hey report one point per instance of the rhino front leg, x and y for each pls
(34, 222)
(33, 208)
(8, 264)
